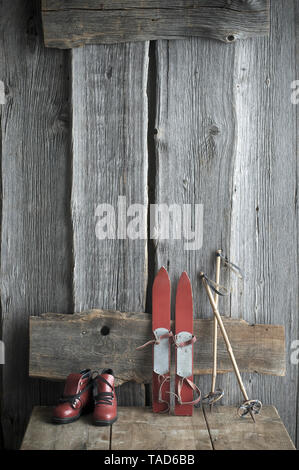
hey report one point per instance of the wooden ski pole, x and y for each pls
(226, 340)
(215, 330)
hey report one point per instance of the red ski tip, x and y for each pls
(184, 291)
(162, 272)
(162, 268)
(184, 277)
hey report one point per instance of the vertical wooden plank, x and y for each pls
(195, 135)
(226, 138)
(35, 238)
(264, 234)
(109, 161)
(195, 138)
(296, 13)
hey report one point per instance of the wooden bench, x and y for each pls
(60, 344)
(140, 429)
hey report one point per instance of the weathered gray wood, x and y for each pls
(239, 5)
(230, 432)
(141, 429)
(226, 138)
(130, 394)
(250, 97)
(263, 234)
(62, 343)
(42, 434)
(109, 160)
(35, 238)
(76, 23)
(195, 140)
(296, 16)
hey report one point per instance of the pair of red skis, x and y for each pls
(183, 341)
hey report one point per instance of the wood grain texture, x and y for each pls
(109, 160)
(264, 226)
(35, 247)
(296, 15)
(239, 5)
(194, 142)
(62, 343)
(226, 138)
(230, 432)
(226, 133)
(76, 23)
(42, 434)
(141, 429)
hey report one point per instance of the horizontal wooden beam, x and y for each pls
(60, 344)
(73, 23)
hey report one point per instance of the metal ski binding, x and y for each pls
(185, 388)
(163, 338)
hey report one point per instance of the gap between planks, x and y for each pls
(230, 432)
(138, 428)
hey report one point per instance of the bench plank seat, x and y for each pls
(138, 428)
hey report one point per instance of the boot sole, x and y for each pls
(87, 410)
(65, 420)
(104, 423)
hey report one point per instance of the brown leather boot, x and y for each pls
(105, 410)
(76, 399)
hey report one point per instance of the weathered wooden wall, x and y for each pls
(186, 121)
(36, 253)
(109, 117)
(226, 120)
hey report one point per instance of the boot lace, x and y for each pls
(102, 398)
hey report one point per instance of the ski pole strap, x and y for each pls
(156, 340)
(217, 288)
(191, 385)
(231, 266)
(184, 343)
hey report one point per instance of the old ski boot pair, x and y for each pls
(85, 392)
(183, 341)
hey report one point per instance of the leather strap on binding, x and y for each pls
(191, 385)
(187, 381)
(184, 343)
(165, 378)
(156, 340)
